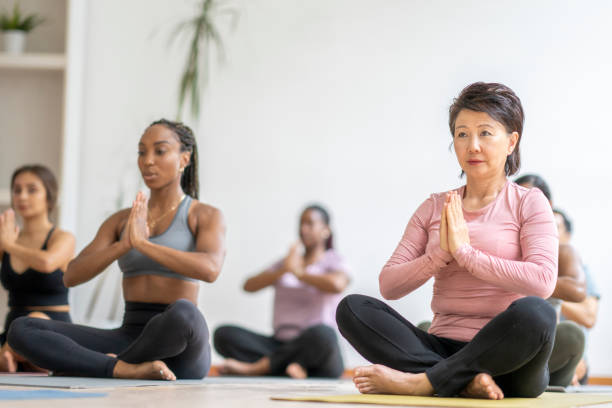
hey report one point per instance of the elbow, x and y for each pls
(386, 290)
(68, 281)
(211, 275)
(47, 266)
(388, 293)
(69, 277)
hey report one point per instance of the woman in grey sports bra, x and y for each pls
(164, 245)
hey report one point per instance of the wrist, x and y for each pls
(9, 246)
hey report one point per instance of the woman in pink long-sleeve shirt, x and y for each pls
(491, 247)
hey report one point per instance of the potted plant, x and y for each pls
(14, 28)
(204, 36)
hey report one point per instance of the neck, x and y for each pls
(314, 251)
(36, 223)
(165, 197)
(483, 189)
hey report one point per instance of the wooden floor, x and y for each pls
(226, 393)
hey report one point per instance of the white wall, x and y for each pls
(345, 102)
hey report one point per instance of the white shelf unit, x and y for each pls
(42, 122)
(33, 61)
(5, 197)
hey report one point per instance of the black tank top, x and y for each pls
(33, 288)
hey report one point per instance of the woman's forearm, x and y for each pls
(37, 259)
(88, 264)
(262, 280)
(197, 265)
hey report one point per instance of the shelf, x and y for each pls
(45, 62)
(5, 196)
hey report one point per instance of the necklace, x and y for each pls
(152, 223)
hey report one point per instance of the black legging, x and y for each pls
(17, 312)
(315, 349)
(514, 347)
(176, 334)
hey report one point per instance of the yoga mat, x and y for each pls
(45, 394)
(320, 385)
(546, 400)
(86, 382)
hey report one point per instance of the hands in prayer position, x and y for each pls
(8, 229)
(453, 228)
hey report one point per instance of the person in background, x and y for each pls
(571, 287)
(165, 246)
(307, 284)
(34, 257)
(582, 313)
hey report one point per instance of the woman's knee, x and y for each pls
(570, 337)
(184, 311)
(223, 336)
(321, 336)
(18, 333)
(345, 312)
(536, 312)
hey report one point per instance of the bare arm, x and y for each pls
(584, 313)
(263, 279)
(571, 285)
(334, 282)
(101, 252)
(206, 261)
(60, 250)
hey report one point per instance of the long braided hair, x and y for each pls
(189, 180)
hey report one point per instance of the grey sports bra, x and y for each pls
(177, 236)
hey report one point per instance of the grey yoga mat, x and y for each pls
(86, 382)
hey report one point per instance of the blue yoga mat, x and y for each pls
(45, 394)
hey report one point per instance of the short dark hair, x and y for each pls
(46, 177)
(499, 102)
(566, 221)
(537, 182)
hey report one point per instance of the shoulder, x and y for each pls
(205, 215)
(528, 201)
(431, 205)
(60, 235)
(336, 261)
(567, 251)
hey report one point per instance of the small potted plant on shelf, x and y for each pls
(14, 28)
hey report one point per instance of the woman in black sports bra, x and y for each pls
(34, 258)
(165, 245)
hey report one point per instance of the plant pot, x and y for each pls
(14, 41)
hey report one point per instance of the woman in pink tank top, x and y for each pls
(491, 247)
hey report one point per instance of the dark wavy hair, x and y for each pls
(566, 221)
(189, 180)
(499, 102)
(46, 177)
(537, 182)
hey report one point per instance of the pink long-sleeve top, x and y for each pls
(513, 253)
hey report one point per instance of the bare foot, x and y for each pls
(380, 379)
(231, 366)
(8, 363)
(294, 370)
(150, 370)
(483, 386)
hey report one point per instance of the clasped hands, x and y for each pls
(294, 262)
(9, 231)
(453, 228)
(136, 231)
